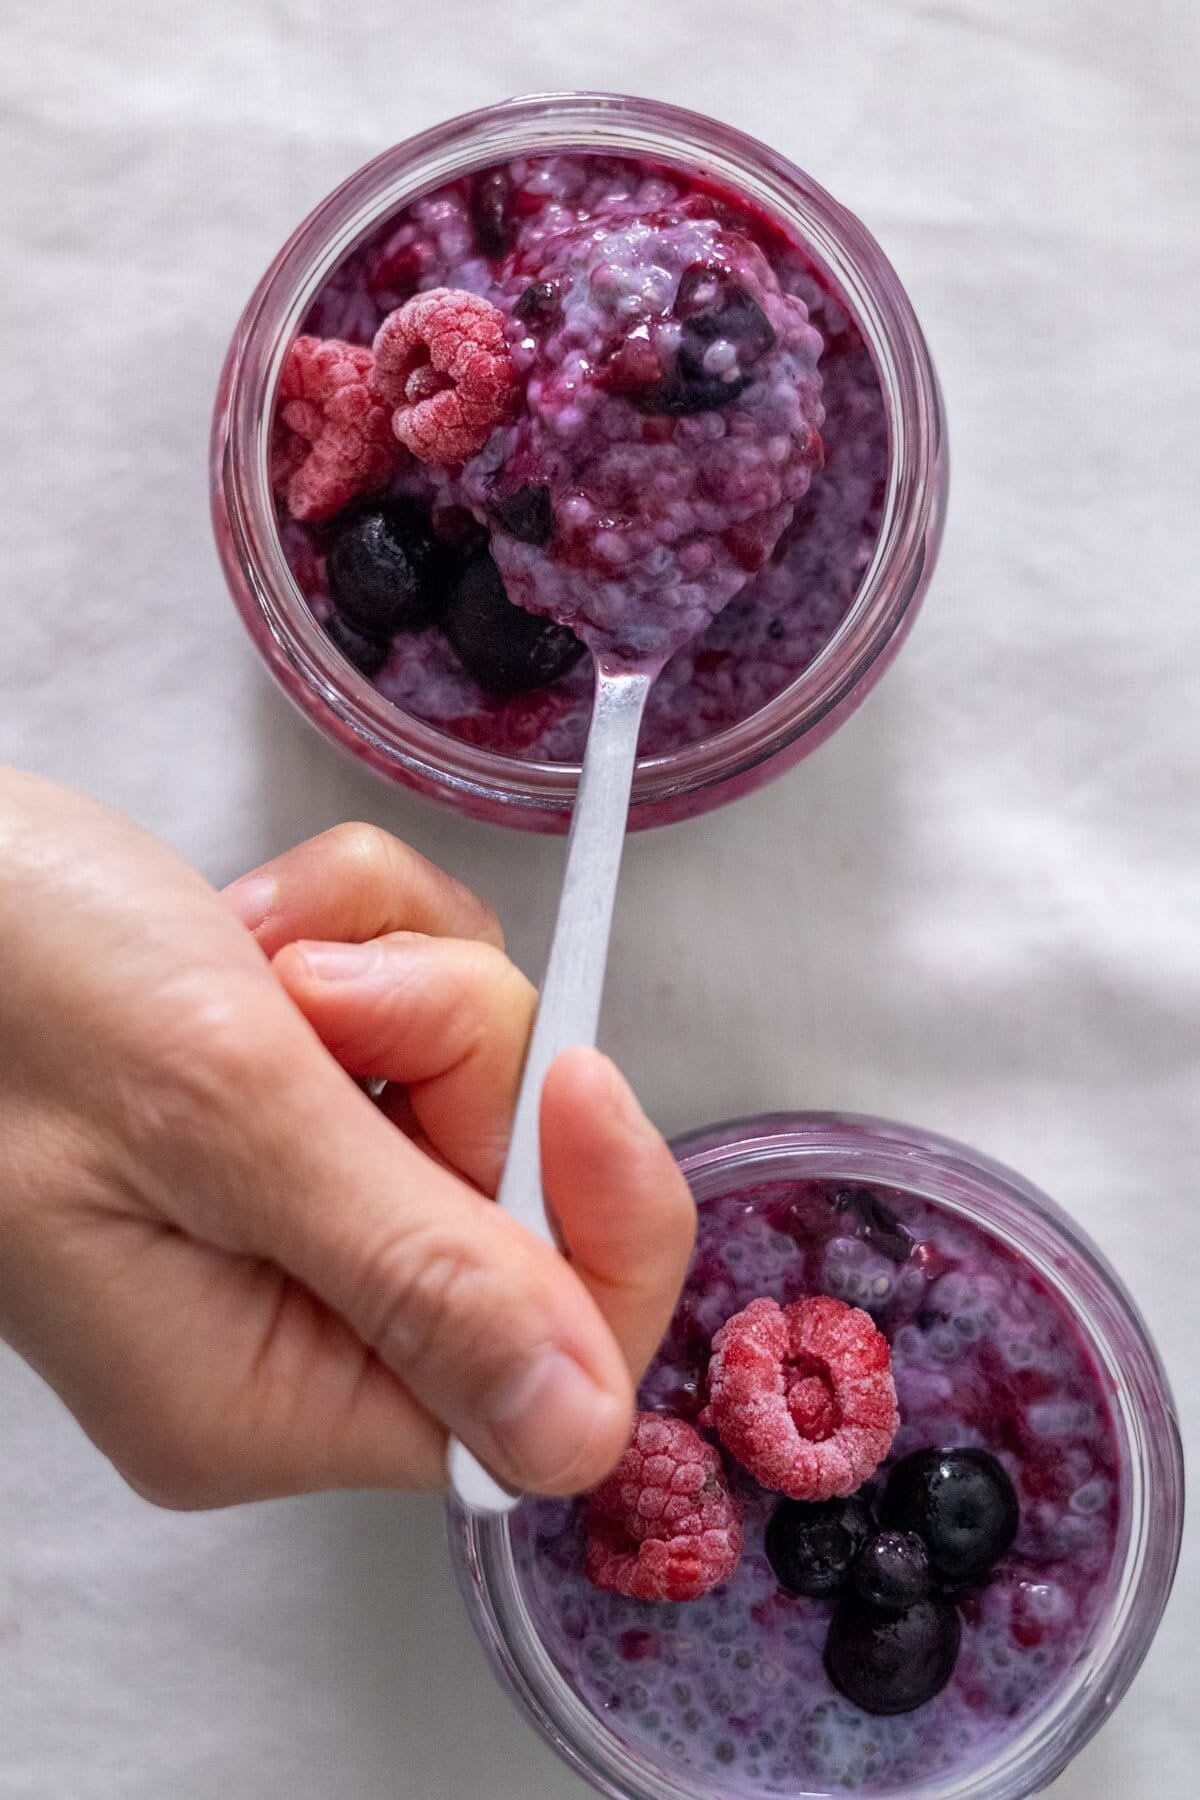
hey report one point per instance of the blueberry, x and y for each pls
(504, 647)
(712, 307)
(892, 1663)
(892, 1571)
(961, 1502)
(538, 304)
(489, 212)
(384, 570)
(367, 653)
(526, 514)
(461, 538)
(875, 1223)
(678, 396)
(812, 1546)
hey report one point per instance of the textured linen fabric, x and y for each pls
(976, 908)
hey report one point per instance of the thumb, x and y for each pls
(487, 1327)
(625, 1212)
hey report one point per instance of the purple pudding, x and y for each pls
(588, 372)
(677, 453)
(929, 1633)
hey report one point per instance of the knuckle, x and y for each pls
(202, 1091)
(429, 1304)
(491, 932)
(369, 860)
(494, 969)
(364, 851)
(485, 985)
(508, 993)
(214, 1052)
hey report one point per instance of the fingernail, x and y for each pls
(251, 899)
(543, 1416)
(340, 962)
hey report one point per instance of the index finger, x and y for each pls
(354, 883)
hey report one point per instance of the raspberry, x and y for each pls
(289, 452)
(663, 1526)
(332, 439)
(803, 1396)
(442, 363)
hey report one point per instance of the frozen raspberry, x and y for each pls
(812, 1407)
(332, 439)
(289, 452)
(663, 1526)
(442, 363)
(803, 1396)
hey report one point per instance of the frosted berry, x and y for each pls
(442, 366)
(504, 647)
(663, 1525)
(892, 1662)
(962, 1504)
(803, 1396)
(332, 440)
(384, 570)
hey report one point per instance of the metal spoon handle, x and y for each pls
(569, 1010)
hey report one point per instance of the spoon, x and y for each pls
(569, 1010)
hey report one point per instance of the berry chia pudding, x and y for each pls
(580, 399)
(886, 1502)
(719, 519)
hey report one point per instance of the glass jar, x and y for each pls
(503, 789)
(727, 1159)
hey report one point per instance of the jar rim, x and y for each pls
(850, 1146)
(342, 701)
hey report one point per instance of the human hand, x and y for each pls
(243, 1276)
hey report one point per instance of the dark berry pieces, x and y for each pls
(713, 307)
(504, 647)
(538, 304)
(526, 514)
(489, 212)
(384, 570)
(367, 653)
(875, 1223)
(892, 1663)
(892, 1571)
(461, 537)
(634, 369)
(679, 394)
(962, 1504)
(812, 1546)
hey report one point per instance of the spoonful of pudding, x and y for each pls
(635, 423)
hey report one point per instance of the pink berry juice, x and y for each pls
(691, 454)
(1003, 1330)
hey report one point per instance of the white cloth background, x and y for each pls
(977, 908)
